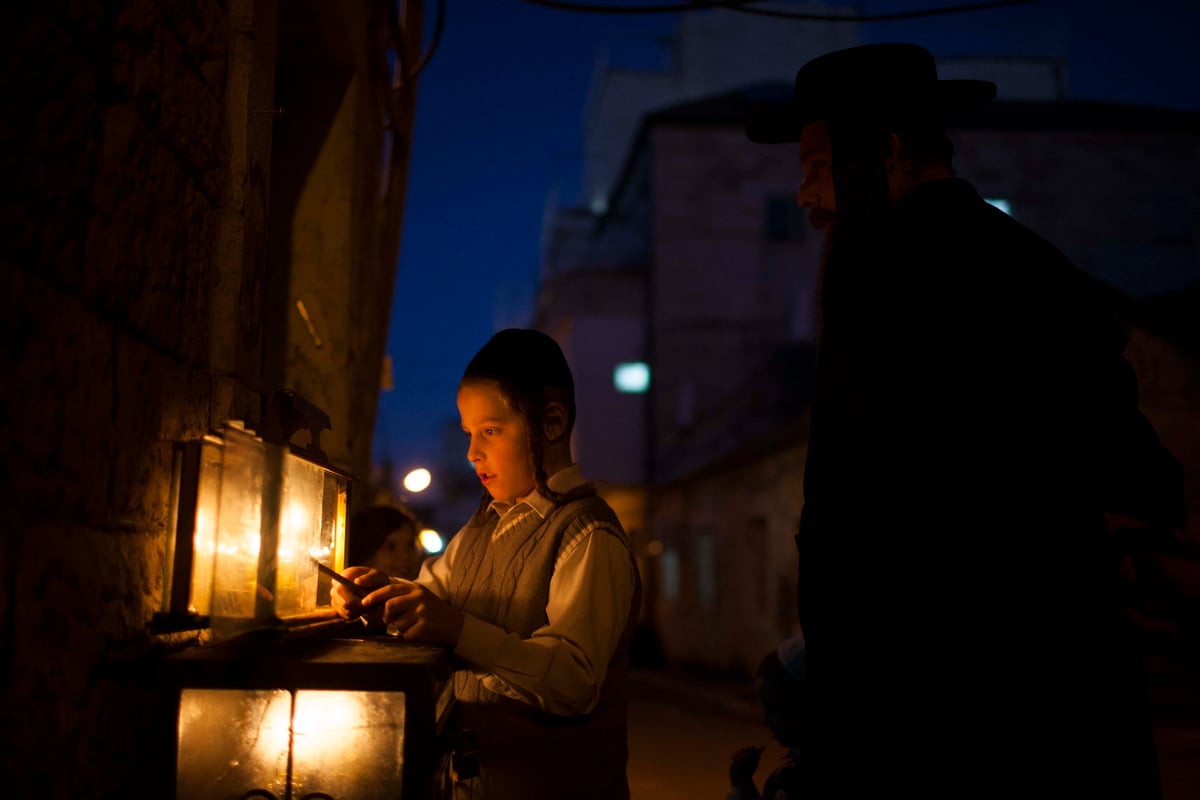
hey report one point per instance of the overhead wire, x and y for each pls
(563, 5)
(745, 6)
(890, 17)
(435, 39)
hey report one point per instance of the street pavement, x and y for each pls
(684, 726)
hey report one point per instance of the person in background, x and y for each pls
(536, 596)
(975, 426)
(386, 538)
(780, 681)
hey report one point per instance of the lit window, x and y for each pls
(670, 574)
(1000, 203)
(632, 377)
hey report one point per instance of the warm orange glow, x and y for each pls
(339, 742)
(227, 537)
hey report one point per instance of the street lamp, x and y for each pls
(431, 540)
(417, 480)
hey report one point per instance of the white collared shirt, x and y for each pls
(561, 666)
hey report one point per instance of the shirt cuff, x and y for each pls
(479, 643)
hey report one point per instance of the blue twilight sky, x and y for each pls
(499, 126)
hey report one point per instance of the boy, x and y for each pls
(537, 595)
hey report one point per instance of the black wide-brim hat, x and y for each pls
(886, 82)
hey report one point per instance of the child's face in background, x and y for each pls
(499, 441)
(399, 556)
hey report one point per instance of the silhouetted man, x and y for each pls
(974, 420)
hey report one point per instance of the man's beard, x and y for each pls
(821, 219)
(844, 247)
(852, 233)
(838, 252)
(827, 249)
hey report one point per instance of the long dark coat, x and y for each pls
(974, 418)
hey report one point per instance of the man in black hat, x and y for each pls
(974, 422)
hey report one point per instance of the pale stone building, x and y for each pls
(701, 267)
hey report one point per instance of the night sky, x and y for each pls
(499, 126)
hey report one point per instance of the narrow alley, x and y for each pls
(683, 728)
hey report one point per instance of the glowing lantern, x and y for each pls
(248, 521)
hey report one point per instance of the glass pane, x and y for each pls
(239, 526)
(204, 549)
(232, 741)
(330, 548)
(336, 501)
(333, 521)
(349, 745)
(300, 513)
(333, 532)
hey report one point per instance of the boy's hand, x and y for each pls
(345, 603)
(417, 614)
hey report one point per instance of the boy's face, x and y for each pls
(499, 442)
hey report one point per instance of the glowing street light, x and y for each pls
(417, 480)
(431, 540)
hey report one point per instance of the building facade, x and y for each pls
(730, 273)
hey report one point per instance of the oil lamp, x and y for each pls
(286, 700)
(249, 520)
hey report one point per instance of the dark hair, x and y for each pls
(531, 371)
(370, 527)
(859, 147)
(924, 138)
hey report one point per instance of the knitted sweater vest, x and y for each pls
(524, 752)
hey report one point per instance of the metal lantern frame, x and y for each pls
(286, 700)
(249, 519)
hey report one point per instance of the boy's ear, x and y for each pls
(554, 421)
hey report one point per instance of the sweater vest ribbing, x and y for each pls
(524, 752)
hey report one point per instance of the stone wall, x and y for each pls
(725, 577)
(135, 277)
(132, 286)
